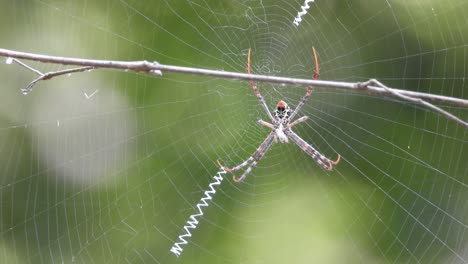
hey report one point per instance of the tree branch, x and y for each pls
(154, 68)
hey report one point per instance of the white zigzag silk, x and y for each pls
(304, 8)
(193, 221)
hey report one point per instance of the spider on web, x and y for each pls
(281, 130)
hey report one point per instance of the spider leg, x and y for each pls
(246, 172)
(257, 92)
(309, 89)
(258, 155)
(236, 168)
(298, 121)
(318, 157)
(265, 124)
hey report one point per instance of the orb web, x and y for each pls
(107, 166)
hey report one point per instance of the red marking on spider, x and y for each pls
(281, 104)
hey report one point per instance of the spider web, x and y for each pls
(107, 166)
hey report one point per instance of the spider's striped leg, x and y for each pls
(298, 121)
(246, 172)
(236, 168)
(257, 92)
(318, 157)
(309, 89)
(258, 155)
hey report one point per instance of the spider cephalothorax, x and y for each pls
(281, 130)
(282, 110)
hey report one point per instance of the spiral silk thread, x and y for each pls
(193, 221)
(304, 8)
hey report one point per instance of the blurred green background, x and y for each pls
(115, 176)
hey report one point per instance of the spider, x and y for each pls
(281, 130)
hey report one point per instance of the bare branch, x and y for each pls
(154, 68)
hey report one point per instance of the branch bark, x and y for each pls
(154, 68)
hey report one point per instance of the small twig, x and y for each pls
(49, 75)
(154, 68)
(418, 101)
(10, 60)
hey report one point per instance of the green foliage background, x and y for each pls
(117, 179)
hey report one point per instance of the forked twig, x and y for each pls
(418, 101)
(46, 76)
(154, 68)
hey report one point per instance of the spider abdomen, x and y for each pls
(280, 135)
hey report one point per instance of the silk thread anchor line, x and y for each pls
(304, 8)
(193, 221)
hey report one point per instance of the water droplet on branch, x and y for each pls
(9, 60)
